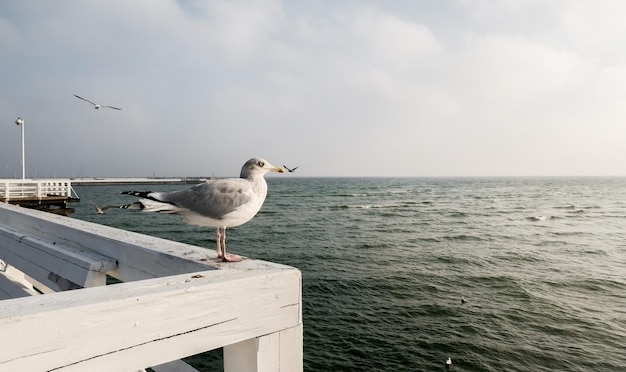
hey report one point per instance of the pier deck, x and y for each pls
(57, 311)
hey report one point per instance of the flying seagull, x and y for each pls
(290, 170)
(101, 210)
(218, 203)
(95, 105)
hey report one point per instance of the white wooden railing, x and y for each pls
(40, 188)
(176, 300)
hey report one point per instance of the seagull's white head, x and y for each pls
(257, 166)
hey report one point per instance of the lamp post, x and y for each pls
(20, 122)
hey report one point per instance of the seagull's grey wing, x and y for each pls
(115, 108)
(214, 198)
(84, 99)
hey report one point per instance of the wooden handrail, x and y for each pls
(172, 294)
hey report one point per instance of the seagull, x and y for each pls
(290, 170)
(448, 363)
(95, 105)
(218, 203)
(101, 210)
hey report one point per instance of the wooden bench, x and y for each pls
(53, 267)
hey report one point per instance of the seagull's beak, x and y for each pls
(278, 169)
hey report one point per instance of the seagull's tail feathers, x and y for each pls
(135, 205)
(150, 202)
(149, 205)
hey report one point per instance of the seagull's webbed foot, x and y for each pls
(229, 257)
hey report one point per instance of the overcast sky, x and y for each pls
(337, 87)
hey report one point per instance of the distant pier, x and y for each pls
(52, 195)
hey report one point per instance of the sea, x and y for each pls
(400, 274)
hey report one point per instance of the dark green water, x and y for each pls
(541, 263)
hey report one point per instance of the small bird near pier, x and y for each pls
(103, 209)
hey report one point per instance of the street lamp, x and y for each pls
(20, 122)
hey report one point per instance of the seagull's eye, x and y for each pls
(261, 164)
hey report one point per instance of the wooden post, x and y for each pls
(279, 351)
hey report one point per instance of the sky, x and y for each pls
(340, 88)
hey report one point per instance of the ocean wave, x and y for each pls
(576, 211)
(568, 206)
(361, 206)
(464, 237)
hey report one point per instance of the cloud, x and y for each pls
(343, 88)
(596, 28)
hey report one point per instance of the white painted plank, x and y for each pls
(55, 265)
(268, 353)
(83, 258)
(13, 284)
(292, 349)
(280, 351)
(138, 256)
(131, 326)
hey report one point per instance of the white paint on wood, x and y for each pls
(292, 348)
(13, 283)
(139, 256)
(279, 351)
(133, 325)
(55, 265)
(193, 303)
(11, 190)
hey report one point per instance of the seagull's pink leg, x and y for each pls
(219, 235)
(227, 257)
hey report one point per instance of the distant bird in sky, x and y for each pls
(218, 203)
(290, 170)
(95, 105)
